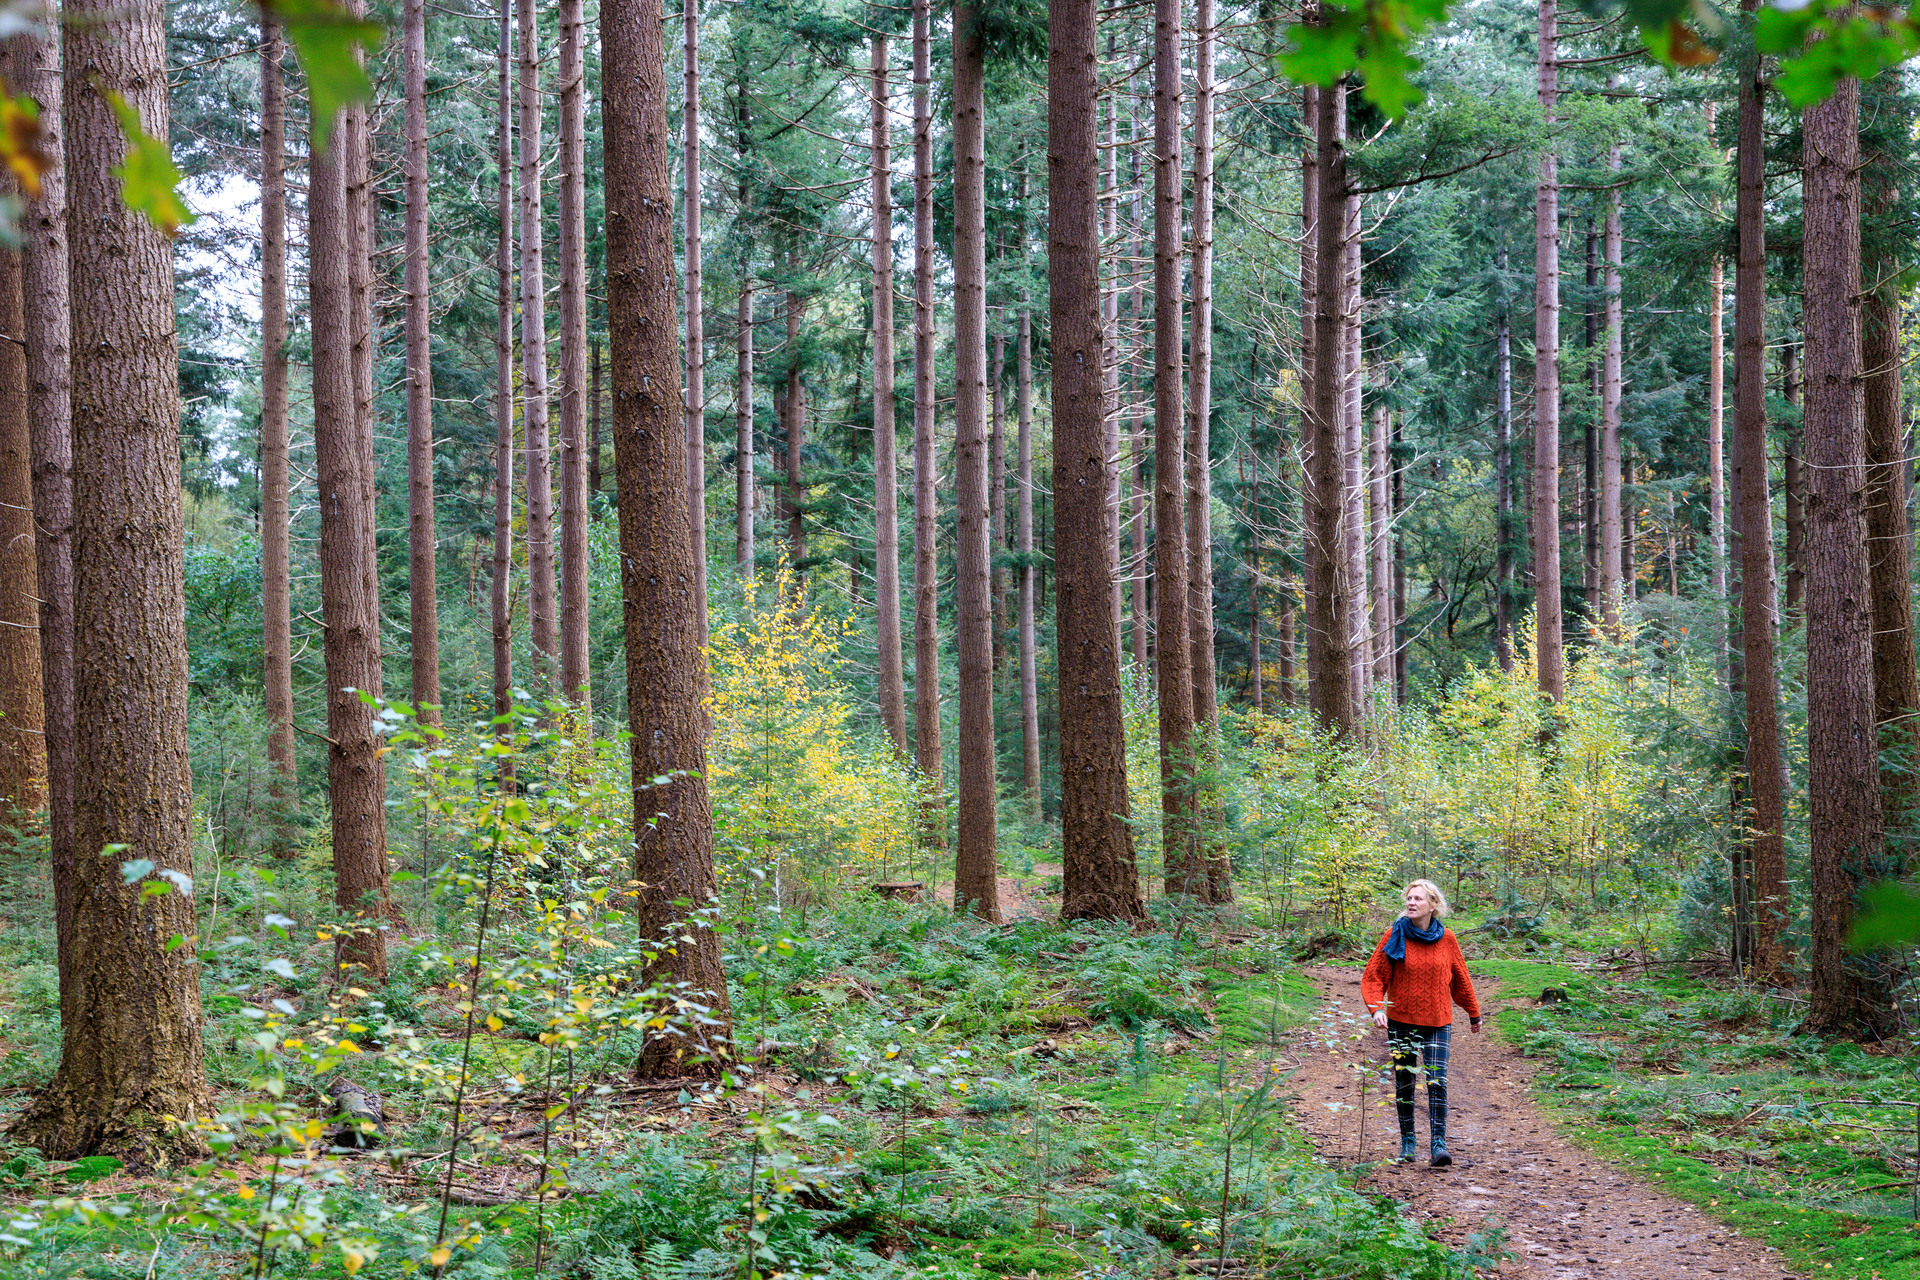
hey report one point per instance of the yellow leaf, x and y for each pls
(439, 1257)
(352, 1261)
(494, 1023)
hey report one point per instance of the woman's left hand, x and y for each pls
(1473, 1025)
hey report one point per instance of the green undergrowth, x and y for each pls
(1805, 1145)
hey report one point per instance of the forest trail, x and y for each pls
(1569, 1215)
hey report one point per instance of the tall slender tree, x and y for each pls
(975, 884)
(666, 672)
(1331, 593)
(926, 564)
(743, 444)
(502, 594)
(1100, 879)
(423, 585)
(1199, 469)
(1023, 535)
(1548, 657)
(1613, 556)
(276, 510)
(696, 349)
(23, 756)
(541, 594)
(1503, 478)
(886, 470)
(1843, 761)
(130, 1044)
(574, 495)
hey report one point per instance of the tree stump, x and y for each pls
(901, 890)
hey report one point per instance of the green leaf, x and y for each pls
(148, 179)
(136, 869)
(328, 38)
(1892, 917)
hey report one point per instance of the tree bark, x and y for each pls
(349, 584)
(593, 423)
(1613, 558)
(1199, 496)
(666, 670)
(1548, 656)
(1316, 589)
(502, 594)
(997, 495)
(696, 347)
(1843, 778)
(1380, 545)
(1023, 534)
(1140, 575)
(1331, 596)
(1716, 431)
(276, 512)
(23, 757)
(1181, 865)
(886, 470)
(542, 617)
(743, 498)
(926, 565)
(575, 634)
(793, 409)
(1110, 275)
(1765, 819)
(1590, 469)
(35, 72)
(1100, 880)
(130, 1005)
(422, 578)
(975, 884)
(1353, 461)
(1503, 483)
(1794, 481)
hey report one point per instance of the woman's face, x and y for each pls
(1419, 905)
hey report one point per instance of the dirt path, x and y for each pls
(1569, 1215)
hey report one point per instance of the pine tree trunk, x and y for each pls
(743, 464)
(1503, 484)
(886, 470)
(542, 616)
(593, 423)
(793, 410)
(666, 670)
(1353, 463)
(997, 495)
(23, 756)
(1716, 431)
(130, 1004)
(1023, 533)
(502, 595)
(276, 511)
(35, 72)
(1613, 557)
(1330, 599)
(349, 586)
(1100, 880)
(926, 565)
(1590, 469)
(1765, 818)
(423, 583)
(1199, 480)
(1395, 505)
(1546, 380)
(1794, 481)
(1316, 588)
(1110, 276)
(695, 309)
(1173, 656)
(575, 633)
(1140, 559)
(1843, 779)
(1380, 546)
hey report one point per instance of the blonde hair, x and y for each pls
(1434, 895)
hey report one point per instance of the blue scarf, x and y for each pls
(1396, 948)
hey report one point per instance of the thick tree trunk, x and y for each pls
(1100, 880)
(1843, 779)
(1110, 276)
(975, 882)
(1503, 484)
(502, 595)
(349, 585)
(130, 1003)
(35, 72)
(23, 758)
(1765, 819)
(574, 494)
(1331, 597)
(695, 307)
(1023, 534)
(1613, 558)
(886, 470)
(1548, 655)
(1173, 656)
(542, 617)
(926, 564)
(666, 671)
(423, 592)
(1794, 481)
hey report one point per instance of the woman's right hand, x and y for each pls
(1380, 1018)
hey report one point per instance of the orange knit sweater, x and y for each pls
(1422, 989)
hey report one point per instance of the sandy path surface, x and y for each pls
(1569, 1215)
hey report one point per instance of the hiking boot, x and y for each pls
(1407, 1154)
(1440, 1158)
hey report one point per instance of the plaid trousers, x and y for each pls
(1428, 1047)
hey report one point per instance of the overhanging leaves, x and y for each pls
(328, 38)
(148, 178)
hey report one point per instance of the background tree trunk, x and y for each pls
(1843, 781)
(23, 756)
(743, 370)
(502, 595)
(575, 633)
(926, 565)
(1765, 819)
(793, 410)
(1503, 482)
(1794, 481)
(1613, 557)
(130, 1047)
(422, 560)
(975, 883)
(666, 670)
(35, 72)
(276, 512)
(1546, 380)
(1100, 880)
(1023, 534)
(886, 470)
(997, 494)
(1380, 544)
(1206, 712)
(543, 621)
(1330, 599)
(696, 348)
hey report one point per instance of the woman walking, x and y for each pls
(1418, 973)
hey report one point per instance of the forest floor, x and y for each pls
(1568, 1215)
